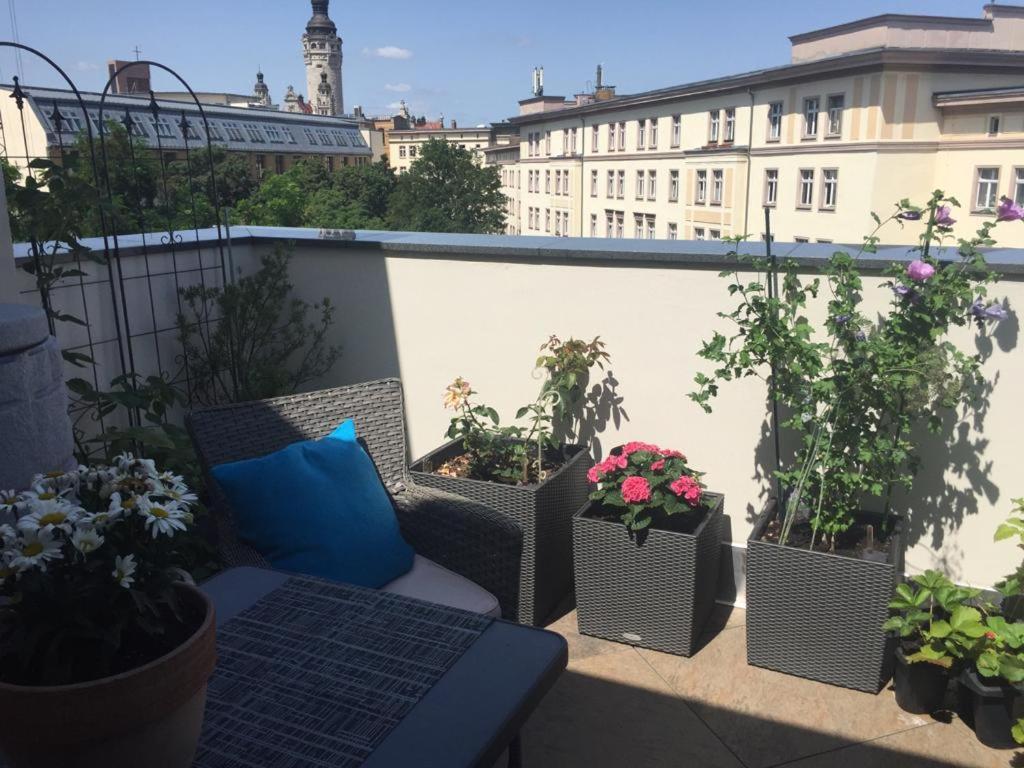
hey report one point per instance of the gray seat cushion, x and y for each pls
(427, 580)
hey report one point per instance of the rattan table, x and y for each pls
(315, 673)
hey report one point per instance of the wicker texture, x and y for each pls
(543, 512)
(819, 616)
(657, 595)
(462, 535)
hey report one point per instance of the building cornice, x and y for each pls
(890, 19)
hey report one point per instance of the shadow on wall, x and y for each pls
(601, 406)
(953, 472)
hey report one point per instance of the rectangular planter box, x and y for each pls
(543, 511)
(657, 594)
(817, 615)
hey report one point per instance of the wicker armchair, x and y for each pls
(468, 538)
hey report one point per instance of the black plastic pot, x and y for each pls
(995, 708)
(920, 687)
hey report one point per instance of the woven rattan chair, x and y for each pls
(468, 538)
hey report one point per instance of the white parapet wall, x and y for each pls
(428, 308)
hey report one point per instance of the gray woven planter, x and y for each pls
(657, 594)
(543, 511)
(817, 615)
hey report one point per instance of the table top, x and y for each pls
(323, 674)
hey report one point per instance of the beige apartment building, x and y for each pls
(865, 114)
(404, 146)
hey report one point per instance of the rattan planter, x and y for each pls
(817, 615)
(543, 511)
(657, 594)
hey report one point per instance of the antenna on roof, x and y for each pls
(138, 52)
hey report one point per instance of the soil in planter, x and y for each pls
(137, 649)
(459, 466)
(681, 523)
(863, 541)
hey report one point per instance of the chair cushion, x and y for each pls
(318, 507)
(431, 582)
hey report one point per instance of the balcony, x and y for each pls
(427, 307)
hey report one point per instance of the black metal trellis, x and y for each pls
(150, 223)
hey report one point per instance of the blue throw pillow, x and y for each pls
(318, 507)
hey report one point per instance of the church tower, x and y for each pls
(321, 49)
(260, 92)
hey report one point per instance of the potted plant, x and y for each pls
(104, 651)
(529, 469)
(646, 548)
(825, 553)
(933, 624)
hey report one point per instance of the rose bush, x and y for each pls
(646, 481)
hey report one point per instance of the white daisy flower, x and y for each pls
(98, 520)
(123, 461)
(50, 513)
(86, 541)
(34, 549)
(124, 570)
(40, 492)
(178, 492)
(7, 534)
(8, 500)
(162, 517)
(125, 504)
(168, 479)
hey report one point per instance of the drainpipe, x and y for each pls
(750, 141)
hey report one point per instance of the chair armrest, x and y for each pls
(466, 537)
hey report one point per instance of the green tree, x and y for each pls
(371, 186)
(330, 208)
(446, 191)
(279, 202)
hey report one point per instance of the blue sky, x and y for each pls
(466, 60)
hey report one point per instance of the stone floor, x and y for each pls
(620, 706)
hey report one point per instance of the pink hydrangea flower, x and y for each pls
(659, 464)
(943, 218)
(919, 271)
(635, 446)
(595, 473)
(636, 490)
(1009, 210)
(686, 488)
(617, 461)
(669, 454)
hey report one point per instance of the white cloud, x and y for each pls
(398, 87)
(389, 52)
(395, 105)
(87, 66)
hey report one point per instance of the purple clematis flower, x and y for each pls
(909, 215)
(905, 292)
(919, 271)
(942, 217)
(1009, 210)
(982, 312)
(861, 336)
(842, 319)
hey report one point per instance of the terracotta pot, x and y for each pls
(150, 716)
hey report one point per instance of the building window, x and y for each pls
(611, 137)
(164, 130)
(993, 125)
(698, 233)
(256, 135)
(593, 183)
(835, 114)
(572, 141)
(547, 182)
(547, 143)
(652, 185)
(714, 234)
(621, 191)
(339, 138)
(638, 226)
(401, 151)
(412, 151)
(558, 182)
(775, 121)
(987, 189)
(1018, 186)
(730, 125)
(212, 129)
(308, 131)
(677, 130)
(639, 185)
(611, 183)
(806, 195)
(702, 187)
(595, 134)
(622, 136)
(558, 223)
(609, 223)
(799, 239)
(289, 136)
(620, 224)
(641, 132)
(771, 186)
(279, 163)
(717, 184)
(565, 141)
(673, 186)
(653, 137)
(274, 134)
(714, 118)
(593, 225)
(811, 117)
(829, 188)
(565, 182)
(547, 219)
(673, 231)
(650, 227)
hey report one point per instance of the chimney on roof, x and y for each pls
(600, 72)
(453, 123)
